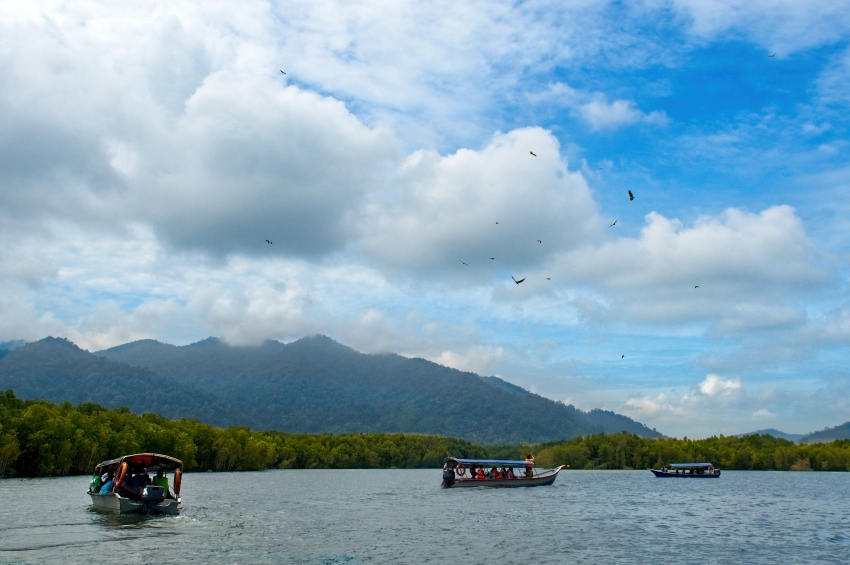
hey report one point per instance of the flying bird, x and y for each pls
(697, 286)
(548, 278)
(497, 223)
(282, 72)
(771, 56)
(517, 281)
(631, 196)
(538, 241)
(622, 356)
(599, 169)
(615, 223)
(467, 264)
(492, 258)
(269, 242)
(532, 152)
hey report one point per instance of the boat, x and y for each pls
(122, 497)
(688, 470)
(458, 473)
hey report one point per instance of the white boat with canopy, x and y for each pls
(125, 485)
(460, 473)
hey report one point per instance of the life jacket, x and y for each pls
(480, 473)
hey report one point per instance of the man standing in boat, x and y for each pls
(529, 469)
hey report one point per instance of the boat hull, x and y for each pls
(541, 480)
(669, 475)
(116, 504)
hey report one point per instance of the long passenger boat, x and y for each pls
(460, 473)
(688, 471)
(124, 485)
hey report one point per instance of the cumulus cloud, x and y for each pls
(447, 208)
(714, 385)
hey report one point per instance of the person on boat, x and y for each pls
(529, 469)
(493, 474)
(664, 469)
(480, 474)
(107, 486)
(510, 473)
(160, 480)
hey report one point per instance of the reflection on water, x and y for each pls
(402, 516)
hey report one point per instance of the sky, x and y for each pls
(149, 150)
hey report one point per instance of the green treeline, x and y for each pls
(754, 452)
(40, 438)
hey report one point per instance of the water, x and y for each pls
(401, 516)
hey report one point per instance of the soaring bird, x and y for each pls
(282, 72)
(517, 281)
(697, 286)
(615, 223)
(538, 241)
(497, 223)
(532, 152)
(622, 356)
(467, 264)
(548, 278)
(631, 196)
(492, 258)
(771, 56)
(599, 169)
(269, 242)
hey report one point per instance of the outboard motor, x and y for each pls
(151, 496)
(448, 477)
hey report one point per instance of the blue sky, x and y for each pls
(149, 151)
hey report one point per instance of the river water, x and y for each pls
(402, 516)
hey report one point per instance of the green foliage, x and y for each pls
(752, 452)
(40, 438)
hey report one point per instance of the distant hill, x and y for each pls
(828, 434)
(57, 370)
(775, 433)
(312, 385)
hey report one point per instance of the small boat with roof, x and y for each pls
(687, 470)
(125, 485)
(460, 473)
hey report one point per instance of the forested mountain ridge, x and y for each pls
(313, 385)
(828, 434)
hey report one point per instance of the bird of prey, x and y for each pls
(282, 72)
(538, 241)
(517, 281)
(771, 56)
(269, 242)
(631, 196)
(697, 286)
(548, 278)
(622, 356)
(492, 258)
(467, 264)
(532, 152)
(615, 223)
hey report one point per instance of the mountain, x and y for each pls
(312, 385)
(775, 433)
(57, 370)
(828, 434)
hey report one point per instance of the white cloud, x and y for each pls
(763, 413)
(477, 359)
(646, 406)
(714, 385)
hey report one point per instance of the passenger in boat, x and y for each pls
(161, 480)
(510, 473)
(480, 474)
(493, 474)
(529, 469)
(110, 482)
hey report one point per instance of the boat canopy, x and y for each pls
(492, 462)
(146, 461)
(690, 465)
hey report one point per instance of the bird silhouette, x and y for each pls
(631, 196)
(467, 264)
(548, 278)
(538, 241)
(282, 72)
(771, 56)
(532, 152)
(269, 242)
(697, 286)
(615, 223)
(599, 169)
(492, 258)
(497, 223)
(517, 281)
(622, 356)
